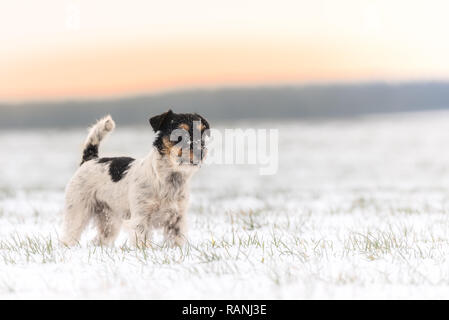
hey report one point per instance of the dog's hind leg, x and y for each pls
(107, 222)
(76, 218)
(108, 228)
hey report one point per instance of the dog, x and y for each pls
(141, 195)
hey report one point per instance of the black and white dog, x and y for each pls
(138, 194)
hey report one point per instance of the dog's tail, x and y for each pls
(96, 133)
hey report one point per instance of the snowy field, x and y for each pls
(358, 209)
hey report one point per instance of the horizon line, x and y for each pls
(223, 87)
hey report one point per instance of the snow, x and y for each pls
(358, 209)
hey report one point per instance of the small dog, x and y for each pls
(140, 194)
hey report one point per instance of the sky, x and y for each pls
(59, 49)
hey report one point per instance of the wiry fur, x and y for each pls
(149, 193)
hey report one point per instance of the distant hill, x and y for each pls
(309, 101)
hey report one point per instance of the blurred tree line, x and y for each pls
(269, 102)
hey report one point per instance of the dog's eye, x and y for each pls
(184, 143)
(180, 136)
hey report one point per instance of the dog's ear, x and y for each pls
(157, 121)
(203, 121)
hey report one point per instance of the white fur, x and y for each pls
(152, 194)
(98, 131)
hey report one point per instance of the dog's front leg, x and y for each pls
(140, 235)
(140, 224)
(175, 230)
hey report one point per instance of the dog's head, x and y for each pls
(181, 137)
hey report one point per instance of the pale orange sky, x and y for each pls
(54, 49)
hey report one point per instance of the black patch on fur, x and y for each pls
(89, 153)
(118, 166)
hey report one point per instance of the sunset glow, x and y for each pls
(65, 49)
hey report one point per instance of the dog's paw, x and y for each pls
(98, 242)
(176, 242)
(68, 242)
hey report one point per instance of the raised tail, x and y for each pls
(96, 133)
